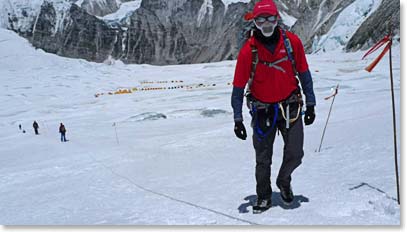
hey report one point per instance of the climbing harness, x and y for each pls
(256, 105)
(286, 115)
(283, 106)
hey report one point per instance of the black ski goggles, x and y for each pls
(260, 19)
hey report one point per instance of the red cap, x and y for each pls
(265, 7)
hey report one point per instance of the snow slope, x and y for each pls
(186, 167)
(206, 8)
(125, 10)
(287, 19)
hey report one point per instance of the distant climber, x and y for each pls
(36, 127)
(62, 130)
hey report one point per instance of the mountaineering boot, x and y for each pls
(261, 205)
(286, 194)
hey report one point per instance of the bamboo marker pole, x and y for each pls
(394, 113)
(329, 114)
(117, 137)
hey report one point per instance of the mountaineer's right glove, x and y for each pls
(309, 115)
(240, 130)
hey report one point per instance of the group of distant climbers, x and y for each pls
(62, 130)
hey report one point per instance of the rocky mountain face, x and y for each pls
(163, 32)
(159, 32)
(79, 35)
(180, 31)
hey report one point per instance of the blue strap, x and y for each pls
(275, 115)
(289, 50)
(259, 133)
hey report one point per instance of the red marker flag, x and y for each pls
(377, 60)
(384, 41)
(333, 94)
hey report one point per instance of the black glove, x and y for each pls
(240, 130)
(309, 115)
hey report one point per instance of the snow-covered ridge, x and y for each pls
(228, 2)
(24, 13)
(124, 11)
(23, 10)
(207, 8)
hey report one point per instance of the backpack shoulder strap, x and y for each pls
(255, 61)
(290, 51)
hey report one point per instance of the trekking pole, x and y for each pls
(117, 137)
(394, 112)
(329, 114)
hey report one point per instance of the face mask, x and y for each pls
(266, 25)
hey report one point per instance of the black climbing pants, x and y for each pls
(263, 145)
